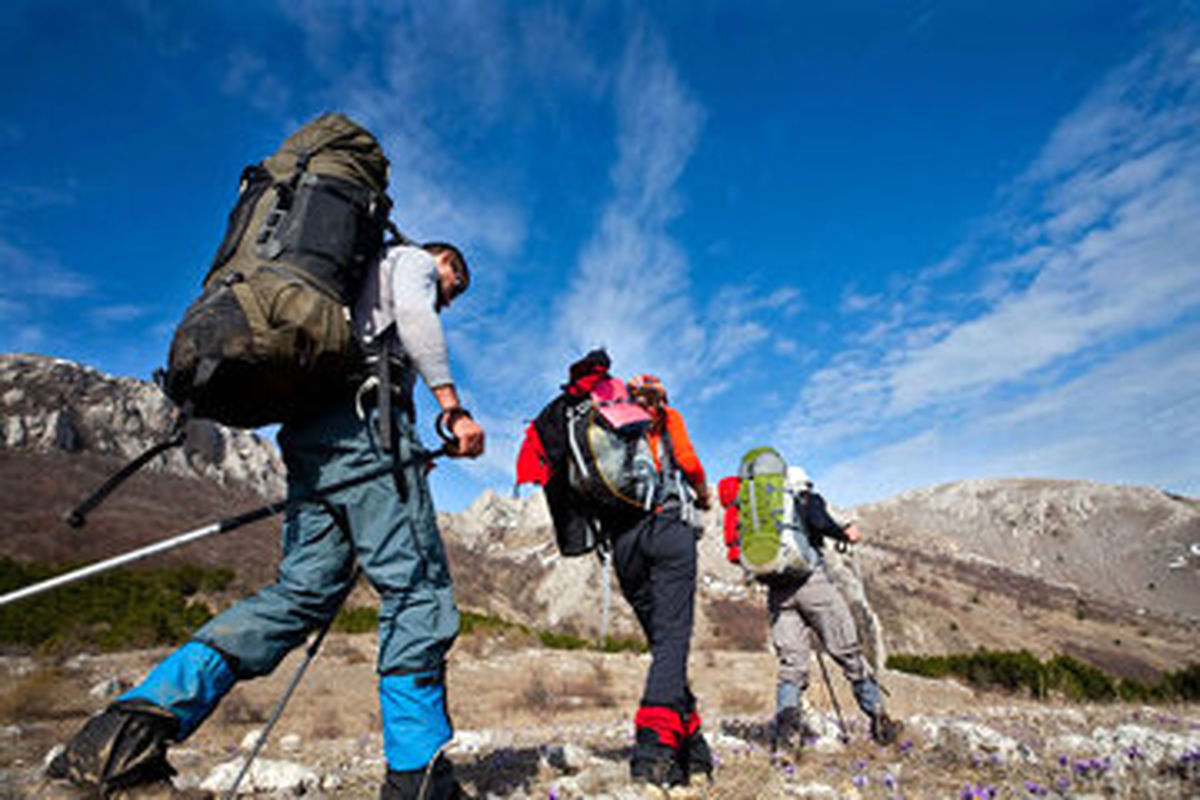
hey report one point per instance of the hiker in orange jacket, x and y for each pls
(648, 391)
(654, 554)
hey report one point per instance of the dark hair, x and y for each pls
(459, 261)
(595, 361)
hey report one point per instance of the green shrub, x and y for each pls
(624, 645)
(360, 619)
(557, 640)
(1022, 671)
(1184, 684)
(474, 622)
(112, 611)
(1079, 681)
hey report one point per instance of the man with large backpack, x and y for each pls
(783, 526)
(386, 525)
(620, 472)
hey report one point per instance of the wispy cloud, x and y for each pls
(26, 272)
(247, 74)
(418, 74)
(1096, 249)
(631, 291)
(1130, 420)
(117, 314)
(25, 196)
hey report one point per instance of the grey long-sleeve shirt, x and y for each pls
(399, 299)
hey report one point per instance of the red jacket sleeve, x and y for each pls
(532, 464)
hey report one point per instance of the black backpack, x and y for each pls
(271, 335)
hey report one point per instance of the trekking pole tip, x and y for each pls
(75, 519)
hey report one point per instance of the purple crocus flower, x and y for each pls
(1034, 788)
(889, 780)
(860, 781)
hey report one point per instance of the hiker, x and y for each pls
(388, 526)
(654, 553)
(798, 602)
(619, 472)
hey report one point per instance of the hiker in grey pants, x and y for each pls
(798, 603)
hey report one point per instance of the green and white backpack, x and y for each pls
(767, 526)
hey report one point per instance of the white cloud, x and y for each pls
(117, 314)
(1102, 249)
(1070, 359)
(247, 74)
(631, 291)
(28, 273)
(1131, 419)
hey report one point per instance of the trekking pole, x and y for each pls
(77, 516)
(606, 591)
(837, 708)
(220, 526)
(309, 654)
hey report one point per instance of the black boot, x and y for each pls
(656, 763)
(884, 729)
(788, 730)
(695, 757)
(413, 784)
(122, 747)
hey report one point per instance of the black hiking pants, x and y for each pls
(655, 559)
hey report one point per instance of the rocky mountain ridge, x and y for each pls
(53, 405)
(1108, 573)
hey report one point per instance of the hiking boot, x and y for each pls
(884, 729)
(789, 729)
(695, 758)
(122, 747)
(412, 784)
(655, 763)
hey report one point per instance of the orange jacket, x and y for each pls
(681, 448)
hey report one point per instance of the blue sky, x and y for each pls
(906, 242)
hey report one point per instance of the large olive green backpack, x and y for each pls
(270, 336)
(766, 517)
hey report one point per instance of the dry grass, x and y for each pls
(591, 688)
(36, 696)
(737, 700)
(737, 626)
(237, 709)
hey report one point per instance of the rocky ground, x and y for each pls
(537, 723)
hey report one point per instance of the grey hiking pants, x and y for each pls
(812, 602)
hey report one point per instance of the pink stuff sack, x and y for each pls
(611, 399)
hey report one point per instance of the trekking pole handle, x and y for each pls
(444, 424)
(77, 516)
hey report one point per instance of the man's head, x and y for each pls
(453, 275)
(798, 480)
(584, 374)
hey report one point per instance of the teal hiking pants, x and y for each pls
(389, 526)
